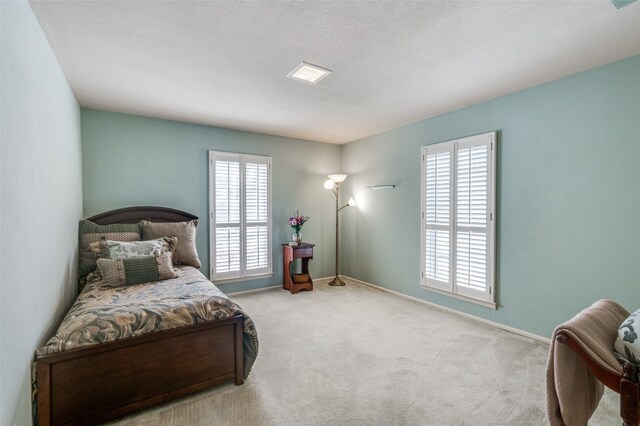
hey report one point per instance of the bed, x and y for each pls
(120, 350)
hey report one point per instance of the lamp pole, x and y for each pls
(333, 183)
(337, 281)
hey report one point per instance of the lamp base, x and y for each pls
(337, 282)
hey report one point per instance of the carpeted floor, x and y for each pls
(355, 355)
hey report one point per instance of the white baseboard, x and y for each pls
(453, 311)
(271, 287)
(327, 279)
(255, 290)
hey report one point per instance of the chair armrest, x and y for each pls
(608, 378)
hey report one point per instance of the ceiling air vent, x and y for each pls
(309, 73)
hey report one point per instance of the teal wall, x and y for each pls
(568, 198)
(567, 203)
(130, 160)
(40, 202)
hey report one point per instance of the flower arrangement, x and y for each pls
(297, 220)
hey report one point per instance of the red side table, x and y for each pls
(304, 252)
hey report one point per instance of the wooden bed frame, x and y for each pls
(99, 382)
(626, 384)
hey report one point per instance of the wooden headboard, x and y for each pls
(138, 213)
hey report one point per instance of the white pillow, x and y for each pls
(628, 344)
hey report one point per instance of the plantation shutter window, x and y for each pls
(240, 205)
(458, 229)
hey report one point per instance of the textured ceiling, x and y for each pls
(394, 63)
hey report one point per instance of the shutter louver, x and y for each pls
(472, 186)
(437, 255)
(227, 249)
(471, 260)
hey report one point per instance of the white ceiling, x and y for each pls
(224, 63)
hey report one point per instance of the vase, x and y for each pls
(297, 237)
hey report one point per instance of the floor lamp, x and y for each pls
(333, 183)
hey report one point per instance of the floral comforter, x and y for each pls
(103, 314)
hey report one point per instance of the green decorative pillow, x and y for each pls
(135, 270)
(628, 343)
(108, 249)
(186, 252)
(89, 232)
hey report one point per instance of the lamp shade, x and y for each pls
(329, 184)
(338, 178)
(352, 202)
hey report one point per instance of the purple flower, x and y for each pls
(296, 221)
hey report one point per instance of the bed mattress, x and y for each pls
(104, 314)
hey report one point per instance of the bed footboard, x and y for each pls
(107, 380)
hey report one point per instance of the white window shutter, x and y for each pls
(458, 228)
(227, 216)
(257, 213)
(438, 173)
(240, 205)
(473, 195)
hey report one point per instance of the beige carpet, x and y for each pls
(358, 356)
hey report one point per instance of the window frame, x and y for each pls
(487, 297)
(243, 274)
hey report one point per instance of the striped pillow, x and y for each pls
(186, 252)
(89, 232)
(135, 270)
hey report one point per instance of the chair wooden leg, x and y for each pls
(629, 395)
